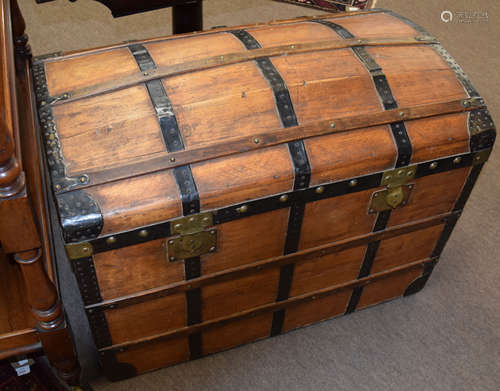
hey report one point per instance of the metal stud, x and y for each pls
(433, 165)
(332, 125)
(320, 190)
(284, 198)
(457, 160)
(172, 159)
(256, 140)
(243, 209)
(143, 233)
(111, 240)
(353, 183)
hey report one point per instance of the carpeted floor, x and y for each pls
(445, 338)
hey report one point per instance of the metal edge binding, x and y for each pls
(80, 217)
(86, 277)
(40, 59)
(482, 129)
(60, 180)
(419, 284)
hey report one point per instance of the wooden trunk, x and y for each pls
(226, 186)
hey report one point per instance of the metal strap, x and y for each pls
(302, 168)
(401, 139)
(185, 182)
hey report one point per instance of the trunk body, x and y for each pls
(222, 187)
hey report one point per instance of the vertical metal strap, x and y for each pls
(185, 182)
(302, 168)
(401, 140)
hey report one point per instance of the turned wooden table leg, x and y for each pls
(187, 17)
(47, 309)
(11, 176)
(22, 50)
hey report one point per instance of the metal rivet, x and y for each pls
(353, 183)
(143, 233)
(178, 226)
(256, 140)
(170, 242)
(401, 113)
(457, 160)
(58, 187)
(360, 41)
(172, 259)
(478, 157)
(243, 209)
(172, 159)
(433, 165)
(222, 57)
(284, 198)
(206, 220)
(83, 179)
(401, 172)
(375, 195)
(145, 74)
(192, 219)
(86, 249)
(410, 173)
(372, 211)
(212, 249)
(320, 190)
(332, 125)
(111, 240)
(213, 232)
(292, 46)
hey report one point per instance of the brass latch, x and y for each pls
(397, 192)
(194, 237)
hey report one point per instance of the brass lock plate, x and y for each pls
(389, 199)
(191, 245)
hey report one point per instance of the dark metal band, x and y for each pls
(401, 139)
(302, 168)
(279, 201)
(190, 198)
(86, 277)
(398, 129)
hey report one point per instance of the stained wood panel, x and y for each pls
(417, 75)
(327, 84)
(236, 333)
(375, 25)
(219, 103)
(243, 177)
(437, 137)
(246, 240)
(321, 309)
(135, 268)
(292, 33)
(82, 71)
(156, 355)
(240, 294)
(108, 130)
(350, 154)
(336, 218)
(431, 196)
(327, 271)
(146, 319)
(405, 249)
(388, 288)
(180, 50)
(137, 202)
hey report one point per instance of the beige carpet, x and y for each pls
(445, 338)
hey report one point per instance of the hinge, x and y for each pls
(397, 190)
(194, 238)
